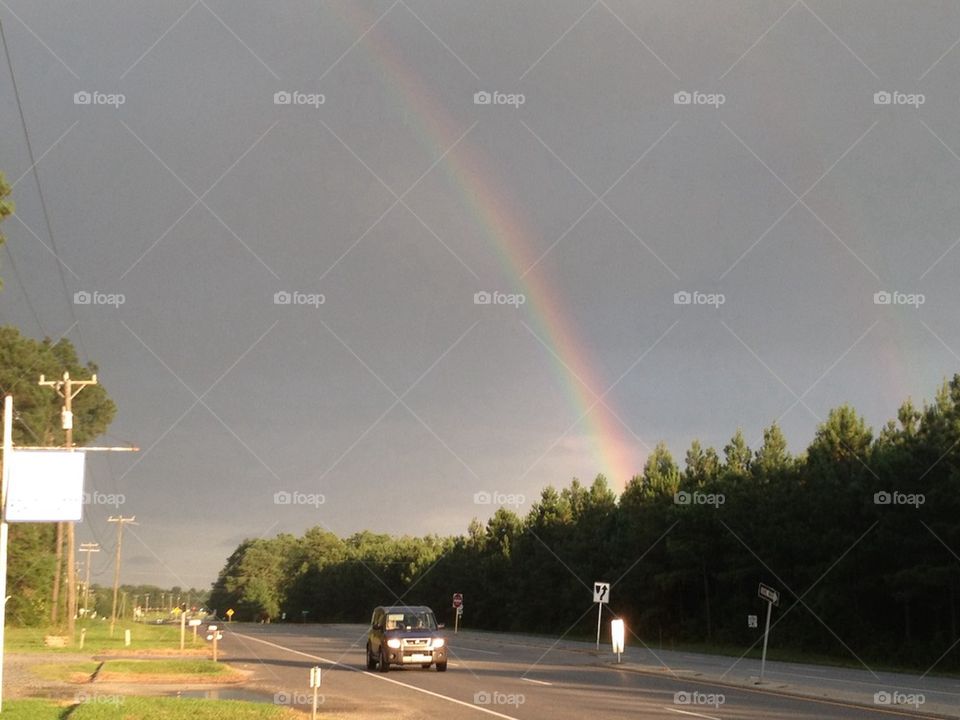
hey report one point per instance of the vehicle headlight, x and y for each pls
(393, 643)
(438, 642)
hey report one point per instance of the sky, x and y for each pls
(388, 265)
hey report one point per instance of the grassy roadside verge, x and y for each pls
(152, 646)
(144, 638)
(167, 671)
(141, 672)
(147, 708)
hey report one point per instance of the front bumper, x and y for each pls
(416, 655)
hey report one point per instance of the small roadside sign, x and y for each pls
(315, 684)
(769, 594)
(229, 614)
(752, 621)
(773, 598)
(601, 595)
(458, 600)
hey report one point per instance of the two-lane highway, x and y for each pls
(489, 677)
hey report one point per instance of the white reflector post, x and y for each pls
(45, 486)
(617, 635)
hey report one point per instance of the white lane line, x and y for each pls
(687, 712)
(378, 677)
(486, 652)
(538, 682)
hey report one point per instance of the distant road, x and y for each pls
(490, 676)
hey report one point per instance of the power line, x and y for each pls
(43, 202)
(13, 262)
(23, 290)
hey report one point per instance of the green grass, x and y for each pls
(33, 710)
(66, 671)
(132, 670)
(143, 637)
(143, 708)
(167, 667)
(146, 708)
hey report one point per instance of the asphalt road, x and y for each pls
(496, 677)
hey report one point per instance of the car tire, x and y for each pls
(384, 665)
(442, 666)
(371, 660)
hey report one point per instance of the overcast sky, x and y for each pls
(782, 197)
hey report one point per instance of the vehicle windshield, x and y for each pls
(411, 620)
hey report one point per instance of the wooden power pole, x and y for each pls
(68, 389)
(88, 548)
(55, 604)
(120, 521)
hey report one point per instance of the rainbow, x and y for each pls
(615, 451)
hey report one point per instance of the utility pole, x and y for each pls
(120, 521)
(68, 389)
(55, 604)
(88, 548)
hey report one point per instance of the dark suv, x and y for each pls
(405, 635)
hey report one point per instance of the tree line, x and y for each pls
(860, 534)
(32, 557)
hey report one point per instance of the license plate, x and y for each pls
(419, 658)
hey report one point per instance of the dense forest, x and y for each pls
(861, 535)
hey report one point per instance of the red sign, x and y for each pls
(458, 600)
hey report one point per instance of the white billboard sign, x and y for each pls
(45, 486)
